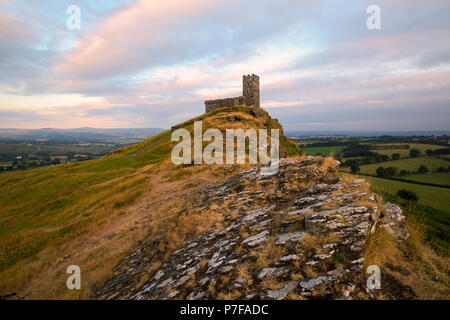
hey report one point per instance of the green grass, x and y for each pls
(431, 212)
(405, 152)
(434, 177)
(434, 197)
(324, 151)
(48, 206)
(20, 148)
(410, 164)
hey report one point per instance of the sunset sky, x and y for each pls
(152, 63)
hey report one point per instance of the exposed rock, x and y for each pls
(256, 239)
(393, 222)
(291, 236)
(282, 293)
(272, 272)
(266, 212)
(291, 257)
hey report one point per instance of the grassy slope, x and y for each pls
(434, 177)
(434, 197)
(431, 213)
(50, 206)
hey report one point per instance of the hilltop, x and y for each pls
(141, 227)
(49, 214)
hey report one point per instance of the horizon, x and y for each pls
(141, 64)
(296, 131)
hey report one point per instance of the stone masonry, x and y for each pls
(250, 97)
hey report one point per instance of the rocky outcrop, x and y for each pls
(298, 234)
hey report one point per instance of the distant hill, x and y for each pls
(308, 133)
(77, 133)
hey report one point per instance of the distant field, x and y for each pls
(435, 178)
(16, 148)
(324, 151)
(303, 142)
(435, 197)
(410, 164)
(405, 152)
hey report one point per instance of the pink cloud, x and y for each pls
(137, 35)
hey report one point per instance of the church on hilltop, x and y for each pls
(249, 98)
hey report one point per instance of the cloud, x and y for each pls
(156, 61)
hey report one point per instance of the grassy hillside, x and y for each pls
(430, 214)
(434, 177)
(45, 211)
(435, 197)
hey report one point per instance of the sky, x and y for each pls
(152, 63)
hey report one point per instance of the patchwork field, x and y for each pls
(435, 197)
(410, 164)
(403, 152)
(434, 177)
(324, 151)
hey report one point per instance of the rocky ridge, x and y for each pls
(299, 234)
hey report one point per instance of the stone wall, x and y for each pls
(211, 105)
(250, 97)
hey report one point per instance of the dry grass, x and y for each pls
(272, 284)
(269, 255)
(295, 296)
(228, 295)
(332, 204)
(310, 272)
(327, 164)
(96, 254)
(415, 265)
(297, 276)
(364, 202)
(244, 271)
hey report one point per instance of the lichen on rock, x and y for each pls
(301, 232)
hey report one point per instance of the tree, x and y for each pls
(384, 157)
(395, 156)
(441, 169)
(404, 172)
(380, 171)
(354, 168)
(429, 152)
(390, 171)
(414, 153)
(407, 195)
(423, 169)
